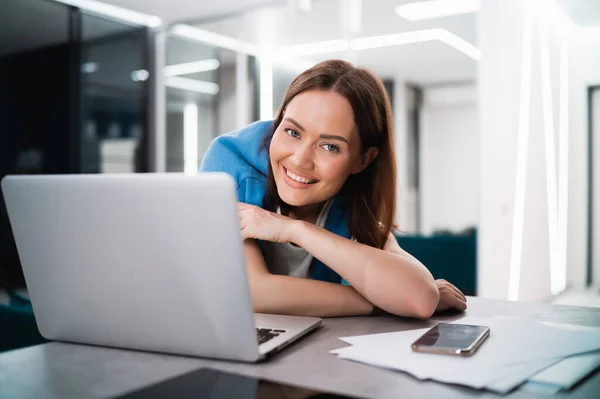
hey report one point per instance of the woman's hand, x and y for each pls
(263, 225)
(450, 297)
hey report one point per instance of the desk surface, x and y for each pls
(58, 370)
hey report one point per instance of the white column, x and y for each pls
(519, 92)
(406, 197)
(190, 139)
(242, 99)
(157, 130)
(266, 85)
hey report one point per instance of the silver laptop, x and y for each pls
(141, 261)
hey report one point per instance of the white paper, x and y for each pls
(516, 349)
(551, 378)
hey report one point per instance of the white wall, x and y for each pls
(449, 159)
(584, 70)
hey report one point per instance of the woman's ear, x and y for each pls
(365, 160)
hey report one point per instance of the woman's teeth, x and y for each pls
(298, 178)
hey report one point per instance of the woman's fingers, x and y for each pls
(450, 297)
(443, 284)
(458, 302)
(458, 292)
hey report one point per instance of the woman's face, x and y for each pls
(315, 148)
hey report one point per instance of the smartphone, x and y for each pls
(452, 339)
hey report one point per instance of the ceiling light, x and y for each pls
(119, 13)
(213, 39)
(140, 75)
(191, 67)
(426, 35)
(89, 67)
(460, 44)
(331, 46)
(436, 9)
(395, 39)
(198, 86)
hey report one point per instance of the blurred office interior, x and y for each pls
(496, 109)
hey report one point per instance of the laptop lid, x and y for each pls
(141, 261)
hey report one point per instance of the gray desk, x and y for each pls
(58, 370)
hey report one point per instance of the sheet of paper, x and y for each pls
(561, 375)
(501, 378)
(516, 349)
(518, 374)
(569, 371)
(512, 340)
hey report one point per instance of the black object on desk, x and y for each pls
(214, 384)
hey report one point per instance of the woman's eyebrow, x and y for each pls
(299, 126)
(334, 137)
(323, 136)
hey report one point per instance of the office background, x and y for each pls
(496, 113)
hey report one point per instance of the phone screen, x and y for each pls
(451, 336)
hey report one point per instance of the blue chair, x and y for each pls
(18, 328)
(449, 257)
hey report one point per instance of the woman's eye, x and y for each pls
(331, 148)
(292, 132)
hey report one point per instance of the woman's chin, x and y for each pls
(293, 200)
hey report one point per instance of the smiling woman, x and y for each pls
(317, 198)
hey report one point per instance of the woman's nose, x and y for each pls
(303, 157)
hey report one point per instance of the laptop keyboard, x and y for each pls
(267, 334)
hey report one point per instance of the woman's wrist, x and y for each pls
(295, 231)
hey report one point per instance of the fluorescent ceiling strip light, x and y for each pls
(437, 9)
(213, 39)
(415, 37)
(563, 152)
(190, 139)
(514, 277)
(460, 44)
(191, 67)
(331, 46)
(119, 13)
(395, 39)
(194, 85)
(550, 147)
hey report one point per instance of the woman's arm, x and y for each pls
(298, 296)
(391, 278)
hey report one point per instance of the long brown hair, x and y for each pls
(369, 196)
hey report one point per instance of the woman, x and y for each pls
(317, 191)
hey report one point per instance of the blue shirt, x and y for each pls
(242, 155)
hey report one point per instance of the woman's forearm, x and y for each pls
(304, 297)
(397, 284)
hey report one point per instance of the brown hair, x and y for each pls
(369, 196)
